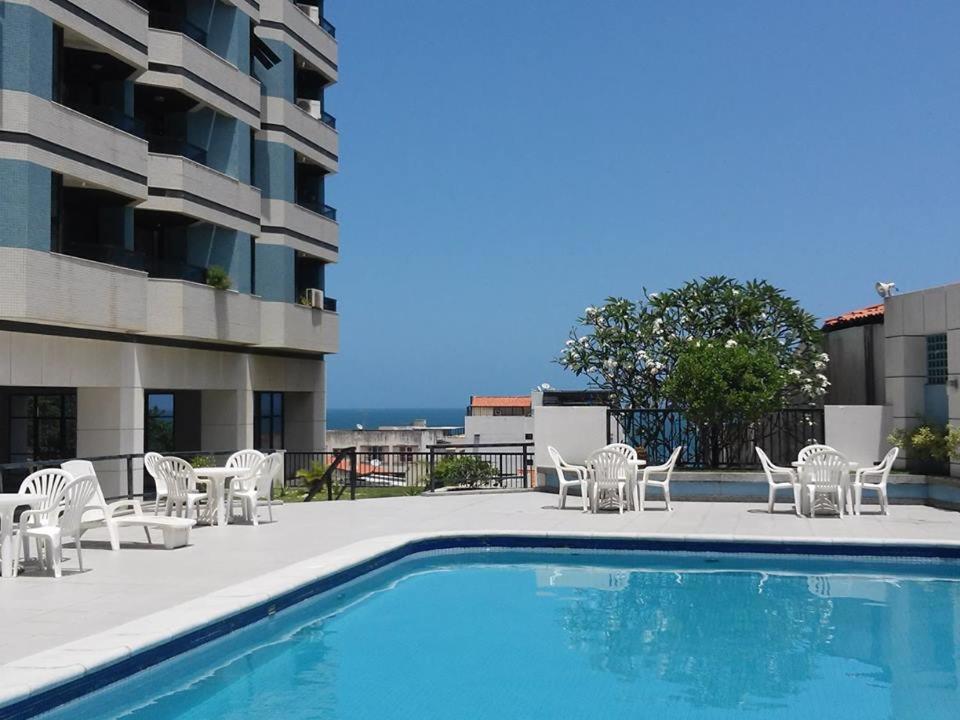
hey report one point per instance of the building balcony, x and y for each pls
(251, 8)
(305, 132)
(303, 31)
(73, 144)
(191, 310)
(297, 327)
(117, 26)
(297, 227)
(49, 288)
(178, 184)
(180, 62)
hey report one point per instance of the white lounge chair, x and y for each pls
(99, 513)
(48, 483)
(62, 521)
(825, 473)
(866, 479)
(646, 479)
(792, 482)
(150, 461)
(608, 470)
(181, 481)
(253, 488)
(580, 478)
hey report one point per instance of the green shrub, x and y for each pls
(202, 461)
(218, 278)
(467, 470)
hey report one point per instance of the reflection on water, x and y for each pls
(738, 639)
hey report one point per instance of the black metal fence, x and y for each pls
(481, 466)
(780, 434)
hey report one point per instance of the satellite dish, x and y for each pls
(359, 426)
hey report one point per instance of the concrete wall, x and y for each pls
(908, 319)
(857, 369)
(858, 431)
(574, 431)
(487, 429)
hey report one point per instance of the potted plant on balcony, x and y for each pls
(218, 278)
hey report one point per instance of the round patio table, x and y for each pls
(8, 503)
(805, 496)
(216, 479)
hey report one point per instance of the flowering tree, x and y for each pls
(631, 348)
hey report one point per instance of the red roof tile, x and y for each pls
(864, 316)
(500, 401)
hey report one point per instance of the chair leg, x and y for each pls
(147, 531)
(585, 496)
(813, 501)
(857, 498)
(254, 515)
(114, 536)
(884, 500)
(54, 557)
(562, 502)
(666, 497)
(770, 498)
(796, 498)
(76, 542)
(270, 508)
(620, 497)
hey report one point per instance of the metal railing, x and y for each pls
(328, 119)
(452, 466)
(329, 304)
(175, 22)
(113, 116)
(317, 207)
(472, 411)
(166, 145)
(328, 27)
(780, 434)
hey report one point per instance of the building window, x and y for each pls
(159, 425)
(43, 426)
(268, 420)
(937, 359)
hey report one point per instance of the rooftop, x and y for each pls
(500, 401)
(864, 316)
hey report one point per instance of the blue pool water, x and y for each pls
(561, 635)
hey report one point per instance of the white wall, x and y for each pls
(489, 429)
(574, 431)
(858, 431)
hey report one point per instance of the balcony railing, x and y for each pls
(160, 20)
(318, 208)
(136, 260)
(111, 116)
(166, 145)
(328, 27)
(175, 270)
(328, 119)
(329, 304)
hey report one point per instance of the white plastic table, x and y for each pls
(216, 479)
(8, 503)
(805, 496)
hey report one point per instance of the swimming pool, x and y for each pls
(515, 633)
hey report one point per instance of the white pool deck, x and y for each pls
(53, 630)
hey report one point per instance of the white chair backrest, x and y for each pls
(557, 459)
(765, 464)
(150, 461)
(268, 473)
(887, 463)
(48, 482)
(628, 452)
(76, 496)
(247, 459)
(672, 462)
(609, 467)
(179, 476)
(84, 468)
(810, 449)
(825, 467)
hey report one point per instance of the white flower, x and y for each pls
(590, 311)
(653, 296)
(569, 343)
(584, 340)
(736, 292)
(824, 357)
(731, 343)
(794, 372)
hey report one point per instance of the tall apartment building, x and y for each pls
(142, 144)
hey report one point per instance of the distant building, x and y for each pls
(414, 438)
(492, 419)
(912, 342)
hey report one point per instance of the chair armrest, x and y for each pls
(781, 470)
(580, 470)
(858, 475)
(112, 508)
(649, 469)
(34, 512)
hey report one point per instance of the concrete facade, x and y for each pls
(135, 156)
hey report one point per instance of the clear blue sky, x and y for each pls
(506, 163)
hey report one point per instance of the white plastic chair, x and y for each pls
(150, 461)
(48, 483)
(251, 488)
(74, 497)
(608, 470)
(883, 472)
(99, 513)
(810, 450)
(246, 459)
(825, 472)
(181, 482)
(666, 469)
(580, 478)
(792, 482)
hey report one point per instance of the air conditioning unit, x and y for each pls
(313, 108)
(315, 298)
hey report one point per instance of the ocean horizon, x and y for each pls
(372, 418)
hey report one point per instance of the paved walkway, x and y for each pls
(38, 612)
